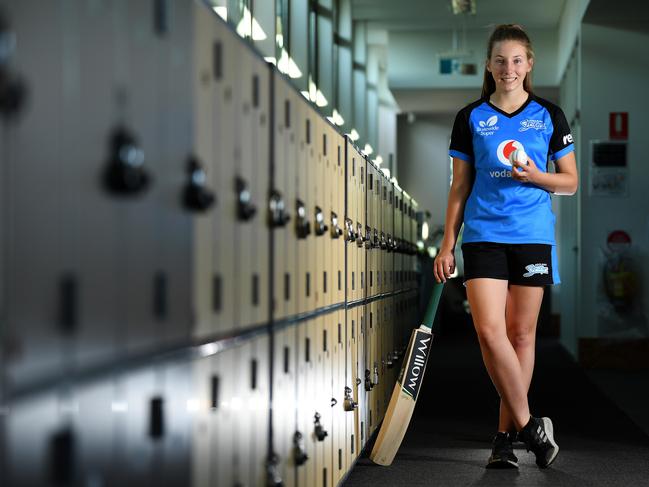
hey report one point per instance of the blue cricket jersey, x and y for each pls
(499, 208)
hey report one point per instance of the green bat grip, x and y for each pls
(431, 310)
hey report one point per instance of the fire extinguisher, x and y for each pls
(620, 281)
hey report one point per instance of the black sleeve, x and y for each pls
(461, 138)
(561, 141)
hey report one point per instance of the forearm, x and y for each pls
(557, 183)
(454, 216)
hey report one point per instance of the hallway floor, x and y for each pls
(449, 439)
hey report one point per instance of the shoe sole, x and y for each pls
(501, 465)
(549, 431)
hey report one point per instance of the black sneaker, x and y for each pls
(538, 436)
(502, 453)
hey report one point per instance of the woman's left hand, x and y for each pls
(525, 173)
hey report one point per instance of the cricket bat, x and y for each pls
(404, 395)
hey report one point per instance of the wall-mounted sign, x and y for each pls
(609, 173)
(618, 241)
(618, 125)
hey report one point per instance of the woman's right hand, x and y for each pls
(444, 265)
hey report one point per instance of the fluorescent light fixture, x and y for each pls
(287, 66)
(221, 12)
(367, 150)
(192, 405)
(271, 59)
(119, 406)
(354, 135)
(378, 161)
(424, 230)
(209, 349)
(249, 27)
(432, 252)
(420, 245)
(386, 171)
(279, 40)
(313, 90)
(320, 99)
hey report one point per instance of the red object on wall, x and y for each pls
(618, 125)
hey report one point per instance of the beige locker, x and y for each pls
(223, 75)
(250, 157)
(361, 393)
(361, 226)
(369, 229)
(284, 404)
(320, 189)
(351, 396)
(225, 405)
(303, 440)
(244, 460)
(206, 392)
(321, 426)
(340, 242)
(258, 407)
(339, 414)
(283, 198)
(372, 369)
(398, 238)
(351, 209)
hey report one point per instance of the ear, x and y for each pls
(531, 61)
(486, 65)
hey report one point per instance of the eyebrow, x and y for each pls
(517, 55)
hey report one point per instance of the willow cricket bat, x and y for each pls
(404, 396)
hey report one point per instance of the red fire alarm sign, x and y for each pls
(618, 125)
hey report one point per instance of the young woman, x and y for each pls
(501, 188)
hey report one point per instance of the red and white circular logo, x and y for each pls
(505, 148)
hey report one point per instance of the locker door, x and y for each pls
(224, 432)
(224, 74)
(258, 408)
(304, 444)
(203, 223)
(360, 375)
(351, 396)
(338, 397)
(206, 390)
(340, 242)
(322, 210)
(251, 159)
(350, 221)
(285, 403)
(330, 339)
(283, 200)
(33, 222)
(360, 227)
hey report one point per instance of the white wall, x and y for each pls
(615, 73)
(413, 60)
(424, 162)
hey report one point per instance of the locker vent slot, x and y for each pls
(308, 284)
(160, 296)
(340, 333)
(324, 477)
(308, 131)
(371, 279)
(216, 293)
(340, 280)
(371, 319)
(324, 340)
(156, 418)
(371, 181)
(352, 444)
(255, 289)
(362, 430)
(353, 329)
(362, 175)
(215, 391)
(255, 91)
(286, 359)
(68, 294)
(217, 60)
(287, 286)
(325, 281)
(340, 459)
(307, 350)
(287, 113)
(253, 374)
(338, 156)
(353, 167)
(353, 284)
(324, 144)
(62, 453)
(362, 280)
(160, 17)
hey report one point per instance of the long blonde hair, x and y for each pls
(507, 32)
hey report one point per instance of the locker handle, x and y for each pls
(302, 223)
(368, 380)
(384, 244)
(389, 246)
(375, 375)
(388, 360)
(299, 451)
(196, 196)
(368, 237)
(320, 227)
(359, 234)
(349, 225)
(334, 401)
(349, 404)
(319, 431)
(377, 243)
(358, 381)
(245, 208)
(395, 355)
(125, 173)
(336, 231)
(277, 214)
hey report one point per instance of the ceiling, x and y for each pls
(437, 15)
(626, 14)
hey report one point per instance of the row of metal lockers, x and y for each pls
(185, 243)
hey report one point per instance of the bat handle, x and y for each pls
(431, 310)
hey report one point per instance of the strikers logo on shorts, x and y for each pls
(505, 148)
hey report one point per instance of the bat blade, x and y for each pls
(403, 399)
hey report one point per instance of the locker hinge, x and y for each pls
(277, 214)
(302, 223)
(336, 231)
(245, 207)
(320, 227)
(359, 234)
(349, 225)
(349, 404)
(368, 237)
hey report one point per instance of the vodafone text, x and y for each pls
(500, 174)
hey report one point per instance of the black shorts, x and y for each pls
(523, 264)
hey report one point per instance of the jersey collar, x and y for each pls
(513, 114)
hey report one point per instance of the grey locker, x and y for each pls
(339, 415)
(206, 282)
(206, 391)
(224, 418)
(284, 404)
(258, 408)
(32, 254)
(351, 394)
(361, 365)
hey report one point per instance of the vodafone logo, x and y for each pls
(505, 148)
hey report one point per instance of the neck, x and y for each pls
(509, 98)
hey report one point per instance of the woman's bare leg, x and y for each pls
(488, 300)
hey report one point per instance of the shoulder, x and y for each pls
(553, 109)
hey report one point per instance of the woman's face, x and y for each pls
(509, 65)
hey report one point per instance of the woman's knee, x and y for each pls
(490, 332)
(522, 337)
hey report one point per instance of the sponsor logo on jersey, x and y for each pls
(531, 124)
(487, 127)
(533, 269)
(505, 148)
(567, 139)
